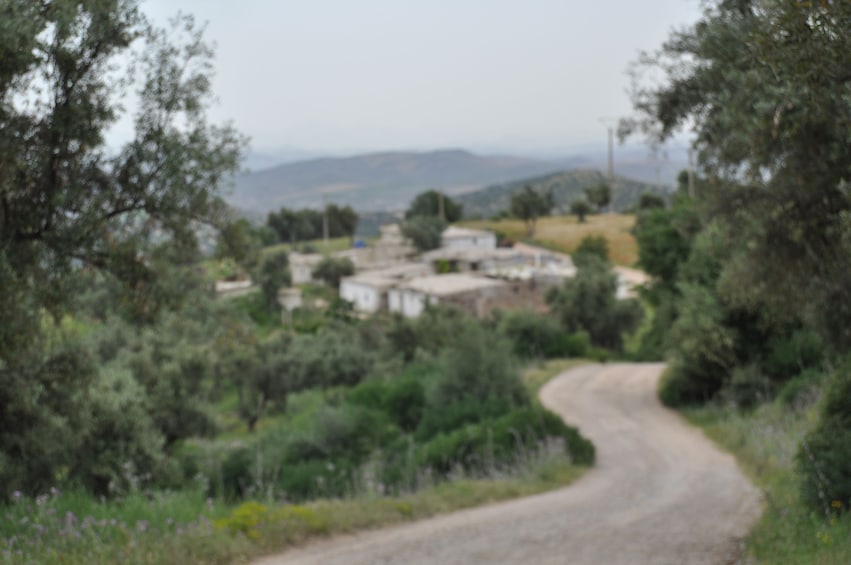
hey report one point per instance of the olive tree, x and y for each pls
(72, 204)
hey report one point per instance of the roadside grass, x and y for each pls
(186, 528)
(564, 233)
(764, 442)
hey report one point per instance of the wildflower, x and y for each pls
(836, 504)
(142, 525)
(70, 518)
(55, 492)
(17, 495)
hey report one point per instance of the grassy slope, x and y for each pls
(564, 233)
(764, 442)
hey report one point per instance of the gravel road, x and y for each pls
(660, 493)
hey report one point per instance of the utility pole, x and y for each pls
(608, 122)
(325, 218)
(611, 155)
(691, 172)
(440, 210)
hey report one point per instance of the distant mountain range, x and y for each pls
(378, 181)
(389, 181)
(567, 186)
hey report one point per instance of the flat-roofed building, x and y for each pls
(465, 237)
(476, 295)
(367, 290)
(474, 259)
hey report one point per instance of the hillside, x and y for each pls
(566, 186)
(378, 181)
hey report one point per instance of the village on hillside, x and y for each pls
(468, 271)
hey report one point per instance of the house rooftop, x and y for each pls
(385, 278)
(454, 231)
(470, 254)
(453, 283)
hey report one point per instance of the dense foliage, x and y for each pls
(530, 204)
(293, 226)
(751, 265)
(435, 204)
(589, 303)
(70, 206)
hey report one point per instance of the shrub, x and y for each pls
(332, 357)
(588, 302)
(500, 442)
(748, 386)
(681, 386)
(444, 419)
(332, 269)
(405, 402)
(533, 336)
(824, 458)
(789, 355)
(478, 366)
(800, 389)
(595, 245)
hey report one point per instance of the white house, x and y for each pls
(368, 290)
(465, 237)
(474, 259)
(302, 265)
(468, 292)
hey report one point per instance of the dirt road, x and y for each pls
(660, 494)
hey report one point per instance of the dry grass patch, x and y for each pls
(564, 233)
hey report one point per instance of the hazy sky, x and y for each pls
(358, 75)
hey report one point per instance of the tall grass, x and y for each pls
(186, 527)
(564, 233)
(764, 442)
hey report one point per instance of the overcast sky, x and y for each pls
(490, 75)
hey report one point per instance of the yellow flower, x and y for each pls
(836, 504)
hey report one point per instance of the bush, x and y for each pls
(748, 387)
(824, 458)
(800, 389)
(681, 386)
(501, 442)
(595, 245)
(588, 302)
(536, 336)
(477, 365)
(332, 357)
(444, 419)
(405, 402)
(789, 355)
(332, 269)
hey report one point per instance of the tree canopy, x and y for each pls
(429, 204)
(530, 204)
(599, 195)
(75, 209)
(765, 86)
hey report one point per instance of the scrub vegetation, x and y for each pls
(751, 295)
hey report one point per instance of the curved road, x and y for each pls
(661, 493)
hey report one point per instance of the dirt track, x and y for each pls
(660, 493)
